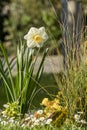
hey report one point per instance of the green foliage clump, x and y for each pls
(26, 83)
(11, 109)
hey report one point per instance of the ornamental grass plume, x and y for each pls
(36, 37)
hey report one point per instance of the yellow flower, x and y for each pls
(36, 37)
(45, 102)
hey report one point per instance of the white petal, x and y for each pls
(31, 43)
(42, 29)
(39, 45)
(45, 36)
(33, 30)
(26, 36)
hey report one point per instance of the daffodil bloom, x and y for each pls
(76, 117)
(36, 37)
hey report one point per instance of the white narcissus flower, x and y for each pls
(76, 117)
(48, 121)
(40, 112)
(4, 122)
(42, 118)
(83, 121)
(36, 37)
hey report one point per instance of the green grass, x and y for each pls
(63, 127)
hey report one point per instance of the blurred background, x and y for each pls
(17, 16)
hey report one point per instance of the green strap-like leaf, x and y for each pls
(9, 69)
(6, 83)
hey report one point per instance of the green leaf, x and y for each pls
(5, 79)
(9, 69)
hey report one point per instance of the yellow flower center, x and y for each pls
(37, 38)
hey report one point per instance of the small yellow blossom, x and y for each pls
(45, 102)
